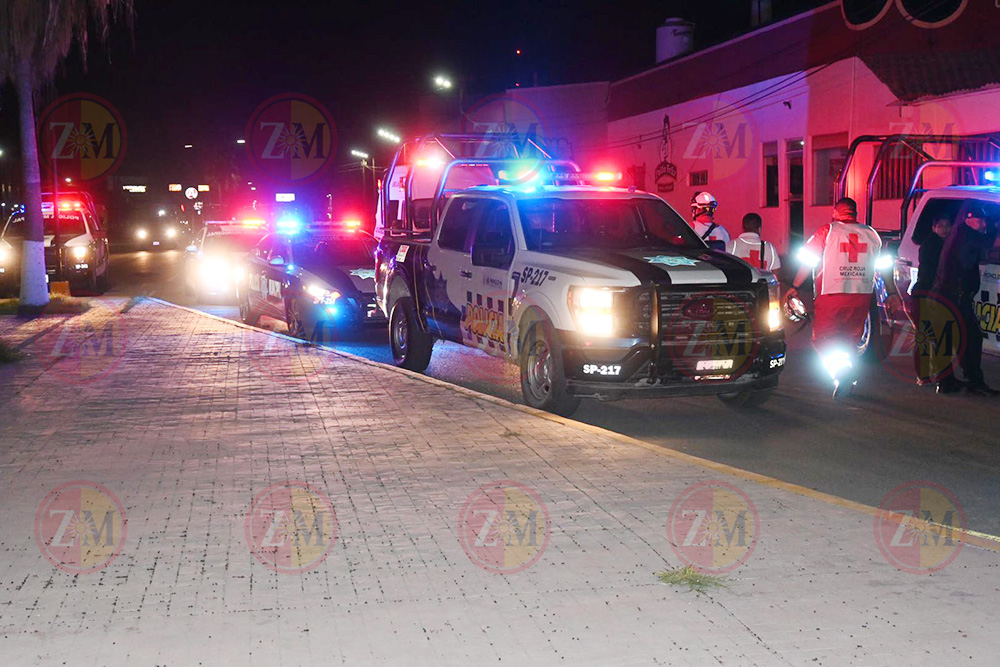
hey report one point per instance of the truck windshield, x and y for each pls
(621, 224)
(335, 252)
(70, 223)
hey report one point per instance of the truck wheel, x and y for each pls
(543, 379)
(411, 347)
(748, 398)
(247, 313)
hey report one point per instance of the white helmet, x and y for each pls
(703, 202)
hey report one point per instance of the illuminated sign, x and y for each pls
(203, 188)
(134, 188)
(191, 193)
(284, 196)
(174, 187)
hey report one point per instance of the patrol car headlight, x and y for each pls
(171, 233)
(215, 271)
(593, 310)
(322, 295)
(78, 252)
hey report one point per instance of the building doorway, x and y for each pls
(794, 149)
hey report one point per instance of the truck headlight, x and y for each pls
(774, 321)
(885, 262)
(78, 252)
(171, 233)
(322, 295)
(593, 310)
(141, 234)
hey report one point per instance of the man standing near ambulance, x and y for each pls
(703, 206)
(751, 248)
(841, 255)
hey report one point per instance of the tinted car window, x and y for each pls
(933, 210)
(69, 223)
(342, 251)
(457, 226)
(494, 227)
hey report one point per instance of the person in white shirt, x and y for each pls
(749, 247)
(703, 206)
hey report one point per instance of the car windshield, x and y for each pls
(554, 224)
(69, 224)
(239, 242)
(338, 252)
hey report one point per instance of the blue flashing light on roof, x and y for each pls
(991, 175)
(288, 226)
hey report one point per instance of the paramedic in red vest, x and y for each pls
(749, 247)
(841, 255)
(703, 206)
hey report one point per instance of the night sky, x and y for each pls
(193, 72)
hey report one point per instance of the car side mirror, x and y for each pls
(277, 261)
(492, 255)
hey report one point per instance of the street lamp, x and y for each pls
(360, 154)
(188, 145)
(161, 213)
(442, 82)
(388, 135)
(69, 180)
(241, 141)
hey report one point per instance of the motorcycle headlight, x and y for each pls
(78, 252)
(322, 295)
(593, 310)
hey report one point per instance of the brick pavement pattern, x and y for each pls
(188, 428)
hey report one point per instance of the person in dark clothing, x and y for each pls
(929, 257)
(958, 281)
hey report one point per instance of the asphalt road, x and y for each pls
(890, 432)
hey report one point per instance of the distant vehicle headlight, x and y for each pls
(171, 233)
(322, 295)
(79, 252)
(141, 234)
(593, 310)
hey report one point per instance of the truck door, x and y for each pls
(449, 272)
(275, 275)
(487, 313)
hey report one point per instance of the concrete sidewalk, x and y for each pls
(188, 422)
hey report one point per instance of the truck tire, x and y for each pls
(543, 378)
(748, 398)
(411, 347)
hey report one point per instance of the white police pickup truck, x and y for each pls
(593, 291)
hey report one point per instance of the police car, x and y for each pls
(316, 278)
(76, 247)
(214, 263)
(593, 291)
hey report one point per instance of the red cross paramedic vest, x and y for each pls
(849, 259)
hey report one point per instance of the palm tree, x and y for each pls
(35, 36)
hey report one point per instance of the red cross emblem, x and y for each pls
(853, 247)
(755, 257)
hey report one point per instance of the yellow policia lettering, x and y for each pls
(482, 321)
(989, 317)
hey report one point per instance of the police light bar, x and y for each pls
(606, 176)
(284, 196)
(252, 222)
(288, 226)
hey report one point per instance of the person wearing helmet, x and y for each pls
(703, 206)
(841, 256)
(751, 248)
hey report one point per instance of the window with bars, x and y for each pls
(896, 173)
